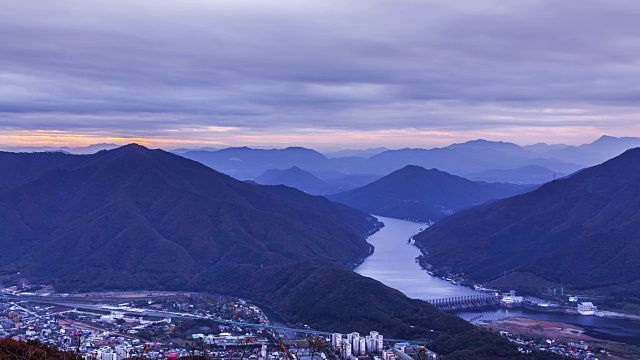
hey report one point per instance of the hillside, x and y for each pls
(75, 223)
(300, 179)
(419, 194)
(11, 349)
(582, 231)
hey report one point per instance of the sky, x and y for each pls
(322, 74)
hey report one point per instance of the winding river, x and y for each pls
(393, 263)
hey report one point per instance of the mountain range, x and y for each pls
(492, 161)
(418, 194)
(90, 149)
(458, 159)
(365, 153)
(580, 232)
(134, 218)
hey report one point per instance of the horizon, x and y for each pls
(45, 148)
(356, 75)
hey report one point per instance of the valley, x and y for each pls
(393, 263)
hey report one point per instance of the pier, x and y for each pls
(466, 302)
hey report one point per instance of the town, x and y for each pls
(157, 325)
(163, 325)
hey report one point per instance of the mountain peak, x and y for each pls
(414, 192)
(133, 147)
(605, 138)
(412, 168)
(482, 143)
(417, 169)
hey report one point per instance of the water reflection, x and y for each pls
(393, 263)
(609, 329)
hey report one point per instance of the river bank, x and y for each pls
(617, 315)
(564, 309)
(562, 333)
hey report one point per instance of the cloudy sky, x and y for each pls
(323, 74)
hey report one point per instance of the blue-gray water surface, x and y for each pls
(394, 263)
(626, 331)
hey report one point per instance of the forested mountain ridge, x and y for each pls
(416, 193)
(77, 223)
(582, 231)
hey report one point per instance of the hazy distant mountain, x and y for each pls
(70, 150)
(134, 218)
(462, 159)
(500, 146)
(301, 180)
(531, 174)
(582, 231)
(544, 147)
(459, 159)
(91, 149)
(186, 150)
(419, 194)
(366, 153)
(596, 152)
(351, 181)
(246, 163)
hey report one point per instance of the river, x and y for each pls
(626, 331)
(393, 263)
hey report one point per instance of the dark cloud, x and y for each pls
(154, 67)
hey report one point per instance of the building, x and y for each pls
(345, 349)
(354, 340)
(355, 345)
(336, 339)
(374, 343)
(587, 308)
(511, 301)
(106, 355)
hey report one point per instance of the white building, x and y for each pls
(336, 339)
(346, 349)
(355, 345)
(106, 355)
(362, 349)
(587, 308)
(354, 340)
(374, 343)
